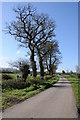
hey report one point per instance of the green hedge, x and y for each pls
(13, 84)
(6, 77)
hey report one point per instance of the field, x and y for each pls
(75, 82)
(15, 91)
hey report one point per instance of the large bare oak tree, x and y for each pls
(31, 30)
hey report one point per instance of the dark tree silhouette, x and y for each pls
(63, 72)
(23, 67)
(23, 31)
(32, 30)
(53, 56)
(46, 33)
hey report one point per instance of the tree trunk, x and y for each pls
(41, 64)
(41, 67)
(24, 78)
(50, 66)
(47, 66)
(51, 70)
(33, 64)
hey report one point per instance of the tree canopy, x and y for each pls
(35, 32)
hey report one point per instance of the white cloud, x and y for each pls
(18, 52)
(4, 62)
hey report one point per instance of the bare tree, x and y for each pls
(53, 56)
(23, 67)
(23, 31)
(32, 30)
(45, 33)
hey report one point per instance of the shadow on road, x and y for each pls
(61, 86)
(62, 83)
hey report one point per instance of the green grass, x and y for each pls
(13, 96)
(75, 82)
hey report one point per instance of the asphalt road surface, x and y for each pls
(55, 102)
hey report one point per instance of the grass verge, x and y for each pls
(13, 96)
(75, 82)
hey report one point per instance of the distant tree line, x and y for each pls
(9, 70)
(35, 32)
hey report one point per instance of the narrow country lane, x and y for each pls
(55, 102)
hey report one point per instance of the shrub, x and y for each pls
(31, 88)
(63, 72)
(47, 77)
(36, 82)
(6, 77)
(15, 84)
(78, 75)
(48, 85)
(32, 80)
